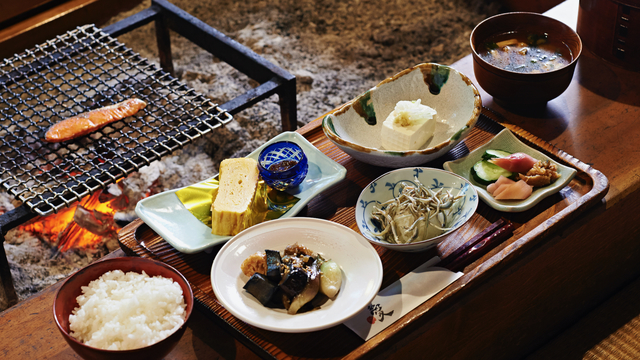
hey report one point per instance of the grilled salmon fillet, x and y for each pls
(93, 120)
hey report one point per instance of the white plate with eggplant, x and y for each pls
(296, 275)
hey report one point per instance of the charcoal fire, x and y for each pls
(85, 224)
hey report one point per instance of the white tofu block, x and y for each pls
(408, 126)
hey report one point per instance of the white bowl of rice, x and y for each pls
(123, 308)
(358, 127)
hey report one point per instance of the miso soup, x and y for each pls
(528, 53)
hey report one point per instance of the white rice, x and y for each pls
(121, 311)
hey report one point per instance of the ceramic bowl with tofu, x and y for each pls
(364, 129)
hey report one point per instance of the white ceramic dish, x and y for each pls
(167, 216)
(355, 127)
(505, 140)
(359, 261)
(386, 187)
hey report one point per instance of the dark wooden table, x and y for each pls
(549, 288)
(28, 331)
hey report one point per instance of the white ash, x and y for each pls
(336, 49)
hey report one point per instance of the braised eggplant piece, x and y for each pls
(278, 300)
(317, 301)
(274, 263)
(295, 279)
(261, 288)
(308, 293)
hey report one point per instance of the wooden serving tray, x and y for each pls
(337, 204)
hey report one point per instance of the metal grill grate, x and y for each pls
(76, 72)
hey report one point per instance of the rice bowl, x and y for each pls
(123, 311)
(65, 302)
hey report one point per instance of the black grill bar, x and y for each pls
(133, 22)
(79, 71)
(223, 47)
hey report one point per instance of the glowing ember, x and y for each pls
(84, 224)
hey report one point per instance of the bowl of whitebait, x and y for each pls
(409, 119)
(413, 209)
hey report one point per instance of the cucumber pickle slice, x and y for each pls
(486, 173)
(491, 153)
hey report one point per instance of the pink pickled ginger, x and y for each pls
(516, 191)
(516, 162)
(492, 188)
(507, 189)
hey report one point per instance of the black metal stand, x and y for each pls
(272, 79)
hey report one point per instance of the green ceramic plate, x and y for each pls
(168, 217)
(505, 140)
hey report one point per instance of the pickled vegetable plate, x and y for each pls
(507, 141)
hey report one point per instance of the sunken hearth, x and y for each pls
(336, 49)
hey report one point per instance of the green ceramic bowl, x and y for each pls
(356, 126)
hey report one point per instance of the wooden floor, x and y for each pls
(611, 331)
